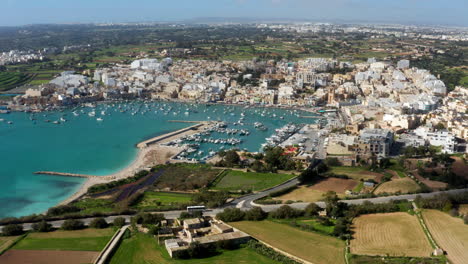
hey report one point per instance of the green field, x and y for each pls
(238, 180)
(10, 80)
(309, 223)
(312, 247)
(143, 249)
(79, 240)
(151, 200)
(89, 206)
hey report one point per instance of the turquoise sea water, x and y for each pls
(84, 145)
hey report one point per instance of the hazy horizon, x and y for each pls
(417, 12)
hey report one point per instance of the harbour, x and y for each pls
(108, 147)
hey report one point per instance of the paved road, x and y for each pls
(246, 202)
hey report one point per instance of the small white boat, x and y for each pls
(99, 119)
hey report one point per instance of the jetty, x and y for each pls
(158, 139)
(54, 173)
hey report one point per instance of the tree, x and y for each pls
(12, 230)
(285, 212)
(231, 158)
(147, 218)
(72, 224)
(42, 226)
(308, 175)
(255, 214)
(119, 222)
(258, 166)
(272, 156)
(439, 126)
(231, 215)
(331, 200)
(312, 210)
(98, 223)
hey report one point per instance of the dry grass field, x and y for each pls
(6, 242)
(315, 192)
(450, 233)
(302, 193)
(395, 234)
(312, 247)
(402, 185)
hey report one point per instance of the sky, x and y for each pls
(22, 12)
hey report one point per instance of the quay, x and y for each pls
(198, 126)
(71, 175)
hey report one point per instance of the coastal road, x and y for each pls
(246, 202)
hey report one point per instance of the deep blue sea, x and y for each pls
(82, 144)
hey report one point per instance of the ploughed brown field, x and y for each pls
(450, 233)
(395, 234)
(315, 192)
(14, 256)
(459, 167)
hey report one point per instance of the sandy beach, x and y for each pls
(149, 155)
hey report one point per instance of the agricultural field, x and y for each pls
(7, 241)
(360, 259)
(10, 80)
(450, 233)
(185, 177)
(459, 167)
(233, 180)
(356, 173)
(78, 240)
(154, 200)
(402, 185)
(315, 192)
(48, 256)
(313, 247)
(392, 234)
(143, 249)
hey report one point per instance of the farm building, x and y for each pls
(204, 231)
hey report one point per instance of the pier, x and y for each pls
(157, 139)
(71, 175)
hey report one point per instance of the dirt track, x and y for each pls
(47, 257)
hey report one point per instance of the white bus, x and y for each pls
(196, 208)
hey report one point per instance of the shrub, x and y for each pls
(72, 224)
(286, 212)
(270, 253)
(119, 222)
(187, 215)
(98, 223)
(312, 210)
(282, 191)
(147, 218)
(255, 214)
(231, 215)
(465, 219)
(42, 226)
(62, 209)
(12, 230)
